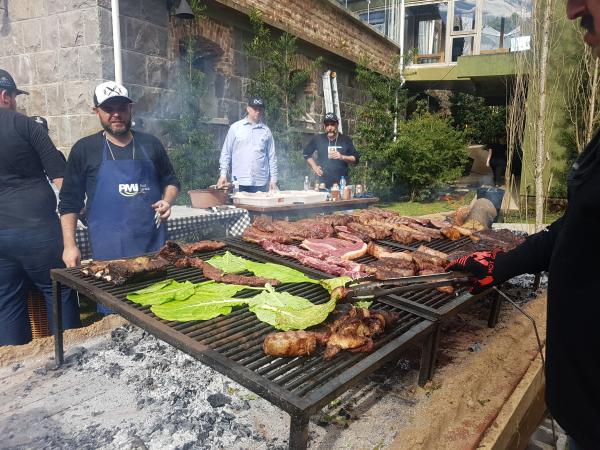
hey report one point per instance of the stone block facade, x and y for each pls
(60, 49)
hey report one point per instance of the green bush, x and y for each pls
(480, 123)
(427, 153)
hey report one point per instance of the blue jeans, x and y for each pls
(26, 257)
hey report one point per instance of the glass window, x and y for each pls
(464, 16)
(505, 25)
(425, 32)
(376, 18)
(462, 46)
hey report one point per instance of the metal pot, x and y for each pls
(206, 198)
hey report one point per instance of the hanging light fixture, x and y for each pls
(183, 9)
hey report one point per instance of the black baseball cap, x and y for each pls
(7, 82)
(256, 102)
(330, 117)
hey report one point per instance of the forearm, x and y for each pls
(350, 159)
(68, 223)
(170, 194)
(312, 164)
(532, 256)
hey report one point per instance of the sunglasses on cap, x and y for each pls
(115, 108)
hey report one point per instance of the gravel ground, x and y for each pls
(128, 390)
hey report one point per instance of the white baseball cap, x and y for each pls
(108, 90)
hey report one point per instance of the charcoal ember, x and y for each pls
(218, 400)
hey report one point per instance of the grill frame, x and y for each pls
(335, 376)
(419, 323)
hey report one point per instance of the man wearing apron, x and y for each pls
(128, 180)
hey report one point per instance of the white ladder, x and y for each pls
(331, 97)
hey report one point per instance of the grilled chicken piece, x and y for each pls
(451, 233)
(290, 344)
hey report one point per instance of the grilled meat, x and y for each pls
(354, 331)
(171, 251)
(387, 268)
(432, 252)
(290, 344)
(215, 274)
(335, 219)
(451, 233)
(372, 231)
(255, 235)
(416, 235)
(202, 246)
(444, 289)
(434, 233)
(379, 252)
(342, 231)
(120, 271)
(339, 248)
(504, 239)
(326, 263)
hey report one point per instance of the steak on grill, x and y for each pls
(255, 235)
(217, 275)
(120, 271)
(336, 247)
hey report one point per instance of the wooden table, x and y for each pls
(308, 209)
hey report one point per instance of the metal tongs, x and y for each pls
(369, 287)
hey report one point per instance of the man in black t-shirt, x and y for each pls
(30, 239)
(334, 152)
(128, 180)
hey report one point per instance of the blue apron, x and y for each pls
(121, 218)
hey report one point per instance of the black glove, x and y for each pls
(480, 264)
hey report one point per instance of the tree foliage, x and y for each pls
(375, 128)
(193, 154)
(279, 81)
(481, 124)
(427, 152)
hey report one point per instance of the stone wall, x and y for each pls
(51, 48)
(60, 49)
(326, 25)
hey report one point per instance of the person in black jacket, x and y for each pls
(566, 249)
(30, 238)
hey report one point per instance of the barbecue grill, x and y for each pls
(232, 344)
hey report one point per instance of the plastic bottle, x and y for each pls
(342, 184)
(236, 186)
(306, 184)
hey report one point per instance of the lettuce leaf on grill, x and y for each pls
(331, 283)
(162, 292)
(209, 300)
(230, 263)
(285, 311)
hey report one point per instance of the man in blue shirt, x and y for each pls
(249, 151)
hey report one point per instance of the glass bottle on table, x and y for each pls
(236, 186)
(306, 184)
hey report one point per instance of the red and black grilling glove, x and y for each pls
(481, 265)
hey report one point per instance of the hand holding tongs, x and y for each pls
(365, 288)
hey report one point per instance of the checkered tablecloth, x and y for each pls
(212, 225)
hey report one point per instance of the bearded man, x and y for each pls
(128, 180)
(334, 150)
